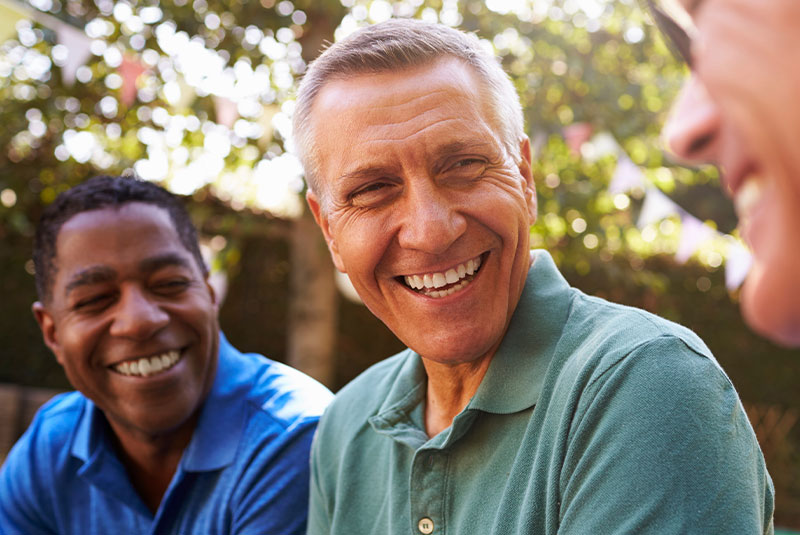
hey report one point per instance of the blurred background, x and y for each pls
(198, 95)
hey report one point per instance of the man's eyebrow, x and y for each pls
(461, 146)
(90, 275)
(364, 172)
(157, 262)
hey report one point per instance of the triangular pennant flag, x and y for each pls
(227, 111)
(656, 207)
(10, 15)
(737, 265)
(693, 234)
(130, 70)
(627, 176)
(576, 135)
(78, 50)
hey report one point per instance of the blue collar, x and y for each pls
(214, 442)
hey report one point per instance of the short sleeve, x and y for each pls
(23, 497)
(272, 496)
(660, 444)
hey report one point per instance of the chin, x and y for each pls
(772, 309)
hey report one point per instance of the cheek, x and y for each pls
(361, 241)
(744, 64)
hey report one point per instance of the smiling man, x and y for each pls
(740, 110)
(171, 429)
(522, 406)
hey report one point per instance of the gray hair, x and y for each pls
(398, 44)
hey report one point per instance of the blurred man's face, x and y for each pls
(423, 207)
(741, 111)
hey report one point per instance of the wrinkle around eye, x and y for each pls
(371, 195)
(92, 304)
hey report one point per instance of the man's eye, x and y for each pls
(93, 302)
(371, 194)
(171, 285)
(368, 189)
(467, 162)
(467, 167)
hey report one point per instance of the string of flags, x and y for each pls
(694, 233)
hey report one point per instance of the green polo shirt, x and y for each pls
(593, 418)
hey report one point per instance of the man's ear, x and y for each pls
(322, 220)
(48, 328)
(525, 169)
(211, 292)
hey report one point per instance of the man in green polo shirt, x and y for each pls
(522, 405)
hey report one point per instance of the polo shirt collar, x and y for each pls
(516, 374)
(398, 415)
(222, 420)
(215, 439)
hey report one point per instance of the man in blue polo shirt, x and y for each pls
(522, 406)
(171, 429)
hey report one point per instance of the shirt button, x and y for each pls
(425, 526)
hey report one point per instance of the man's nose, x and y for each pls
(693, 128)
(137, 315)
(431, 219)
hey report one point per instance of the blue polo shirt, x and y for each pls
(245, 470)
(592, 419)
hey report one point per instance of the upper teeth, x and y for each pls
(437, 280)
(148, 365)
(747, 196)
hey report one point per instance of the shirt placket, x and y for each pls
(428, 491)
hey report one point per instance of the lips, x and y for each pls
(148, 366)
(443, 283)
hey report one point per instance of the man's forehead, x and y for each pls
(392, 88)
(101, 231)
(131, 211)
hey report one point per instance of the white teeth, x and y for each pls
(451, 276)
(155, 365)
(148, 365)
(748, 196)
(430, 282)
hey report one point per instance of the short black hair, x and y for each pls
(94, 194)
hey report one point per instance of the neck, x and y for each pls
(152, 460)
(450, 387)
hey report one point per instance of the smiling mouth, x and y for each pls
(748, 195)
(148, 366)
(442, 284)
